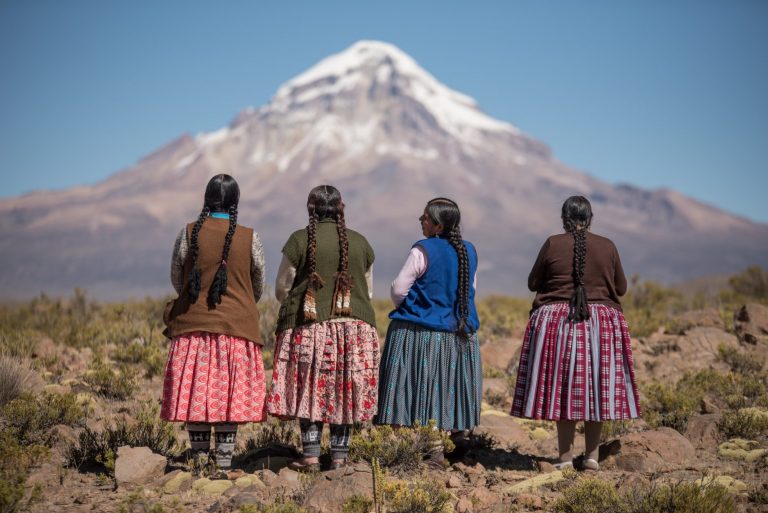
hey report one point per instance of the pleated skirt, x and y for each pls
(576, 370)
(211, 377)
(429, 375)
(326, 371)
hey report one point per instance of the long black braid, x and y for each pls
(446, 212)
(194, 277)
(577, 217)
(219, 284)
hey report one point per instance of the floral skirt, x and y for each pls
(576, 371)
(430, 375)
(210, 377)
(326, 371)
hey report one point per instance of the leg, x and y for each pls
(225, 444)
(592, 432)
(199, 438)
(310, 441)
(340, 435)
(566, 431)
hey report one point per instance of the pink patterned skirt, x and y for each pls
(576, 370)
(210, 377)
(326, 371)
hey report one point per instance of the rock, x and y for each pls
(702, 431)
(288, 476)
(138, 466)
(482, 499)
(212, 487)
(652, 451)
(176, 481)
(453, 482)
(540, 434)
(529, 501)
(532, 484)
(249, 480)
(501, 354)
(729, 483)
(257, 497)
(464, 505)
(751, 323)
(334, 487)
(503, 428)
(707, 406)
(267, 477)
(738, 449)
(708, 317)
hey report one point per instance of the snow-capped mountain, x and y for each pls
(390, 136)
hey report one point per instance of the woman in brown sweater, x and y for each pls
(576, 359)
(214, 376)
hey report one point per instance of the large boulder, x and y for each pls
(751, 323)
(660, 450)
(501, 354)
(138, 466)
(333, 488)
(502, 427)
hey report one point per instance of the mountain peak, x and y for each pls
(372, 64)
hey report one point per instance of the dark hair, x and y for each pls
(446, 212)
(222, 194)
(324, 202)
(577, 216)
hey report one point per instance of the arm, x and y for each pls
(284, 281)
(257, 266)
(538, 272)
(414, 267)
(369, 281)
(619, 280)
(177, 260)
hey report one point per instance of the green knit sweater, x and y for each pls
(360, 259)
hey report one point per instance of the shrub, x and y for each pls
(99, 448)
(16, 378)
(15, 462)
(746, 423)
(667, 406)
(589, 495)
(273, 432)
(31, 417)
(120, 384)
(419, 496)
(752, 283)
(649, 306)
(401, 449)
(149, 355)
(502, 316)
(739, 361)
(681, 497)
(357, 504)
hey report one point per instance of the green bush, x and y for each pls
(16, 378)
(502, 317)
(15, 463)
(739, 361)
(649, 306)
(401, 449)
(357, 504)
(419, 496)
(589, 495)
(30, 417)
(746, 423)
(149, 355)
(667, 406)
(119, 385)
(99, 448)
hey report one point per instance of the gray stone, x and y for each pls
(138, 466)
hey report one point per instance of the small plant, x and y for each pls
(30, 417)
(419, 496)
(357, 504)
(681, 497)
(495, 399)
(739, 361)
(746, 423)
(99, 448)
(15, 462)
(16, 378)
(273, 433)
(401, 449)
(589, 495)
(118, 385)
(151, 356)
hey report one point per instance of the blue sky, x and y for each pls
(655, 93)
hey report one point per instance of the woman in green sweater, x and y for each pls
(327, 351)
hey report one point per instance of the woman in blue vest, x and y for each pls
(430, 367)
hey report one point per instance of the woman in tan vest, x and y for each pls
(214, 376)
(327, 350)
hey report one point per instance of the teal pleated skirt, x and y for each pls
(429, 375)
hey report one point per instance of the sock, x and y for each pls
(225, 444)
(340, 434)
(310, 437)
(199, 438)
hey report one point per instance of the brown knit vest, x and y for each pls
(237, 314)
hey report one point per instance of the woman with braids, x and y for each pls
(431, 366)
(326, 349)
(214, 376)
(576, 360)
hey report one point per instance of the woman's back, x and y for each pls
(552, 274)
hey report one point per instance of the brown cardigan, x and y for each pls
(237, 314)
(551, 277)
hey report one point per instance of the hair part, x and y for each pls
(577, 218)
(446, 212)
(222, 194)
(324, 202)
